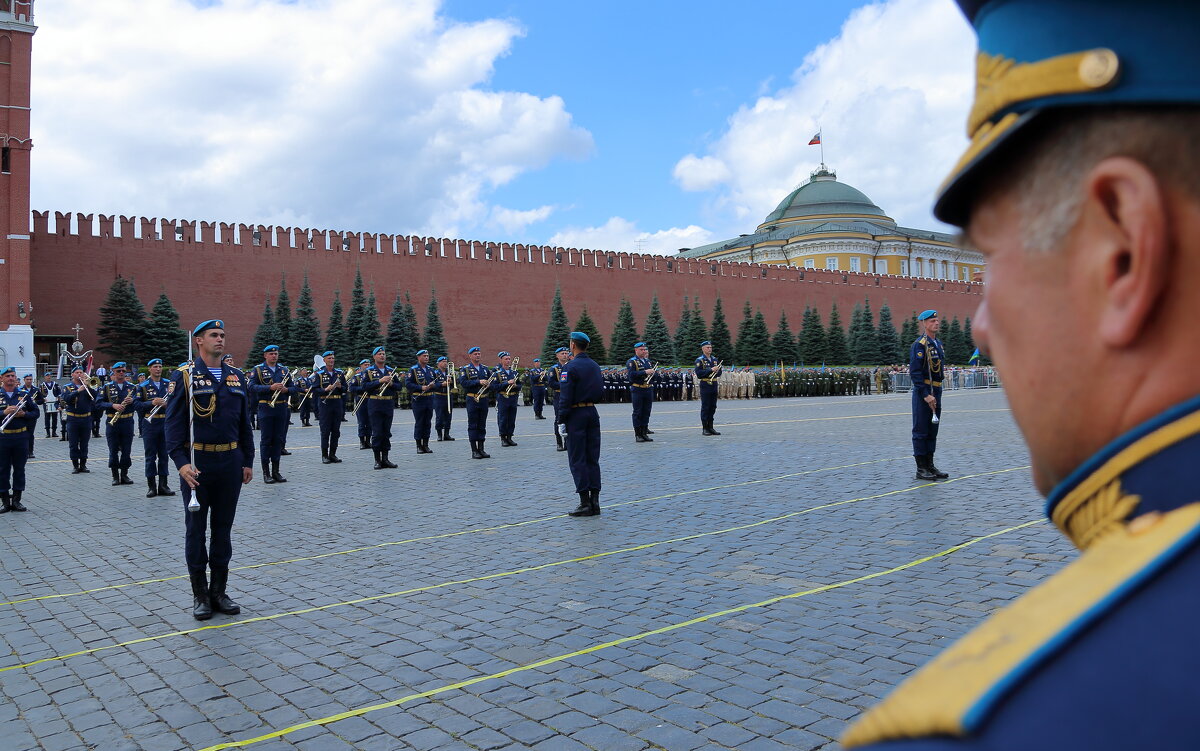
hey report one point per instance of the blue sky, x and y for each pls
(611, 125)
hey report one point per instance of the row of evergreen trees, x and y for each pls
(865, 343)
(127, 332)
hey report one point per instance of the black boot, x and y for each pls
(447, 436)
(440, 438)
(483, 454)
(325, 458)
(383, 459)
(923, 472)
(333, 447)
(933, 468)
(116, 473)
(425, 446)
(538, 416)
(275, 471)
(284, 452)
(420, 448)
(475, 450)
(594, 499)
(201, 602)
(5, 502)
(268, 479)
(363, 443)
(708, 431)
(638, 436)
(74, 466)
(647, 431)
(506, 440)
(63, 437)
(712, 430)
(153, 485)
(220, 601)
(585, 505)
(163, 488)
(15, 503)
(125, 477)
(378, 458)
(83, 467)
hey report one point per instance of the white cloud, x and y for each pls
(371, 115)
(890, 94)
(514, 221)
(622, 235)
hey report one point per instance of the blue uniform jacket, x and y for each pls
(264, 377)
(536, 377)
(321, 380)
(503, 376)
(581, 382)
(554, 377)
(228, 397)
(111, 394)
(373, 386)
(636, 368)
(705, 366)
(472, 379)
(418, 376)
(925, 360)
(25, 400)
(78, 401)
(149, 391)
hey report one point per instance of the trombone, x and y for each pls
(516, 376)
(483, 388)
(712, 378)
(451, 383)
(286, 378)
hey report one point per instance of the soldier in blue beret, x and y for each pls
(581, 386)
(708, 370)
(151, 400)
(209, 440)
(537, 387)
(553, 384)
(118, 400)
(329, 390)
(421, 382)
(926, 362)
(79, 401)
(479, 384)
(641, 373)
(508, 391)
(358, 395)
(273, 387)
(1079, 187)
(381, 386)
(444, 403)
(19, 417)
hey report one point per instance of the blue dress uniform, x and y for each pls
(581, 386)
(357, 386)
(381, 409)
(506, 402)
(272, 420)
(707, 375)
(642, 394)
(926, 360)
(553, 384)
(79, 403)
(422, 402)
(475, 383)
(443, 406)
(118, 426)
(154, 436)
(537, 387)
(219, 407)
(303, 389)
(14, 446)
(329, 389)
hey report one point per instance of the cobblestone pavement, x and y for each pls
(451, 604)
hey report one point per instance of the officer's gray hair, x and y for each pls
(1058, 153)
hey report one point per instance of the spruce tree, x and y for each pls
(812, 339)
(783, 344)
(758, 349)
(657, 336)
(954, 344)
(266, 334)
(305, 336)
(410, 316)
(402, 339)
(889, 340)
(596, 348)
(434, 339)
(683, 331)
(164, 337)
(969, 341)
(866, 346)
(283, 326)
(335, 335)
(557, 330)
(835, 340)
(740, 355)
(718, 334)
(698, 332)
(122, 322)
(909, 331)
(854, 332)
(625, 333)
(369, 334)
(355, 319)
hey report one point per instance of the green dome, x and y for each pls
(823, 195)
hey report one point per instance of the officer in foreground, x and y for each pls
(1079, 187)
(209, 440)
(581, 386)
(708, 371)
(926, 360)
(19, 416)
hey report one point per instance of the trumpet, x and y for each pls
(166, 397)
(124, 402)
(20, 406)
(286, 378)
(516, 376)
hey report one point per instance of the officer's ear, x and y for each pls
(1124, 244)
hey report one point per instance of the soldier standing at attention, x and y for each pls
(29, 387)
(537, 387)
(422, 382)
(118, 400)
(508, 391)
(1079, 188)
(304, 394)
(581, 387)
(925, 363)
(152, 397)
(21, 414)
(476, 382)
(358, 385)
(553, 384)
(49, 391)
(210, 404)
(329, 388)
(641, 381)
(443, 404)
(379, 384)
(268, 379)
(79, 401)
(708, 370)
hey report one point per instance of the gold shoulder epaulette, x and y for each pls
(955, 694)
(923, 342)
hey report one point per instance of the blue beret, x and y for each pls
(422, 352)
(155, 361)
(501, 353)
(327, 353)
(705, 343)
(212, 323)
(364, 361)
(119, 364)
(8, 370)
(926, 314)
(561, 349)
(79, 368)
(28, 375)
(377, 350)
(443, 357)
(183, 364)
(579, 336)
(1040, 55)
(537, 359)
(472, 350)
(270, 348)
(639, 344)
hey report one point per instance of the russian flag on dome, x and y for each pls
(816, 139)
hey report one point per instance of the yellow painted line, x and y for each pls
(445, 535)
(359, 712)
(498, 575)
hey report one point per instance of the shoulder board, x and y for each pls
(957, 692)
(923, 341)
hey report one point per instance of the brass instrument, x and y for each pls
(20, 406)
(451, 383)
(125, 402)
(286, 378)
(712, 378)
(483, 389)
(516, 377)
(165, 398)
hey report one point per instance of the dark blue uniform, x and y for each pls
(422, 402)
(443, 407)
(581, 386)
(224, 447)
(553, 385)
(329, 389)
(537, 390)
(707, 377)
(79, 403)
(154, 437)
(119, 431)
(925, 362)
(506, 404)
(381, 405)
(303, 389)
(357, 387)
(272, 420)
(14, 444)
(641, 392)
(472, 379)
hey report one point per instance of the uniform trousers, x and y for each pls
(422, 409)
(925, 430)
(50, 418)
(506, 414)
(538, 393)
(442, 411)
(154, 442)
(477, 413)
(79, 432)
(120, 441)
(708, 402)
(363, 417)
(329, 418)
(306, 408)
(643, 402)
(13, 454)
(220, 486)
(272, 429)
(583, 447)
(381, 412)
(30, 434)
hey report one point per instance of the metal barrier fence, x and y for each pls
(956, 378)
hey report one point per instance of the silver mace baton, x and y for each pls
(194, 503)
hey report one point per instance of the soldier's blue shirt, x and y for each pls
(537, 377)
(473, 377)
(418, 376)
(581, 381)
(925, 365)
(224, 391)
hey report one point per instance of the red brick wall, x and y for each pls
(501, 303)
